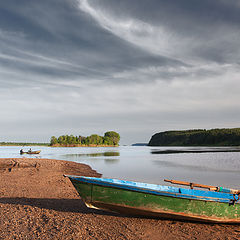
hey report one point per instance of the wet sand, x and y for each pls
(38, 202)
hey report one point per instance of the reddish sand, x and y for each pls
(37, 202)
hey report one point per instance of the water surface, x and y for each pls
(138, 163)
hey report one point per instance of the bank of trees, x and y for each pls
(22, 144)
(110, 138)
(197, 137)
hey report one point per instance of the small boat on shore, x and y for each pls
(30, 152)
(217, 204)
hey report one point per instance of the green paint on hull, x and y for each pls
(117, 199)
(84, 190)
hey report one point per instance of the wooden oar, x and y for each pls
(211, 188)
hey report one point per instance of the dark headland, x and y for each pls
(197, 137)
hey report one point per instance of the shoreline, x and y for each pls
(38, 202)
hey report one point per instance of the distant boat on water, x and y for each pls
(30, 152)
(219, 205)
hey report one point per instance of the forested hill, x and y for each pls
(197, 137)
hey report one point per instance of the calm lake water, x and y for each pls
(139, 164)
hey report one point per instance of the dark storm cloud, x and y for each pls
(202, 26)
(159, 10)
(178, 15)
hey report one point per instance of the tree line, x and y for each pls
(197, 137)
(110, 138)
(22, 144)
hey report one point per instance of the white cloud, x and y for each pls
(151, 38)
(171, 73)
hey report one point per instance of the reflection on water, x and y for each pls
(196, 150)
(189, 167)
(111, 160)
(106, 154)
(94, 156)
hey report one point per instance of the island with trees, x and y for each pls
(110, 138)
(197, 137)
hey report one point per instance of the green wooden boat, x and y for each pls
(152, 200)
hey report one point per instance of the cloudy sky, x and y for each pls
(136, 67)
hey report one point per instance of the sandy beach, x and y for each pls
(38, 202)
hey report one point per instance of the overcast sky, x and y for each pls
(136, 67)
